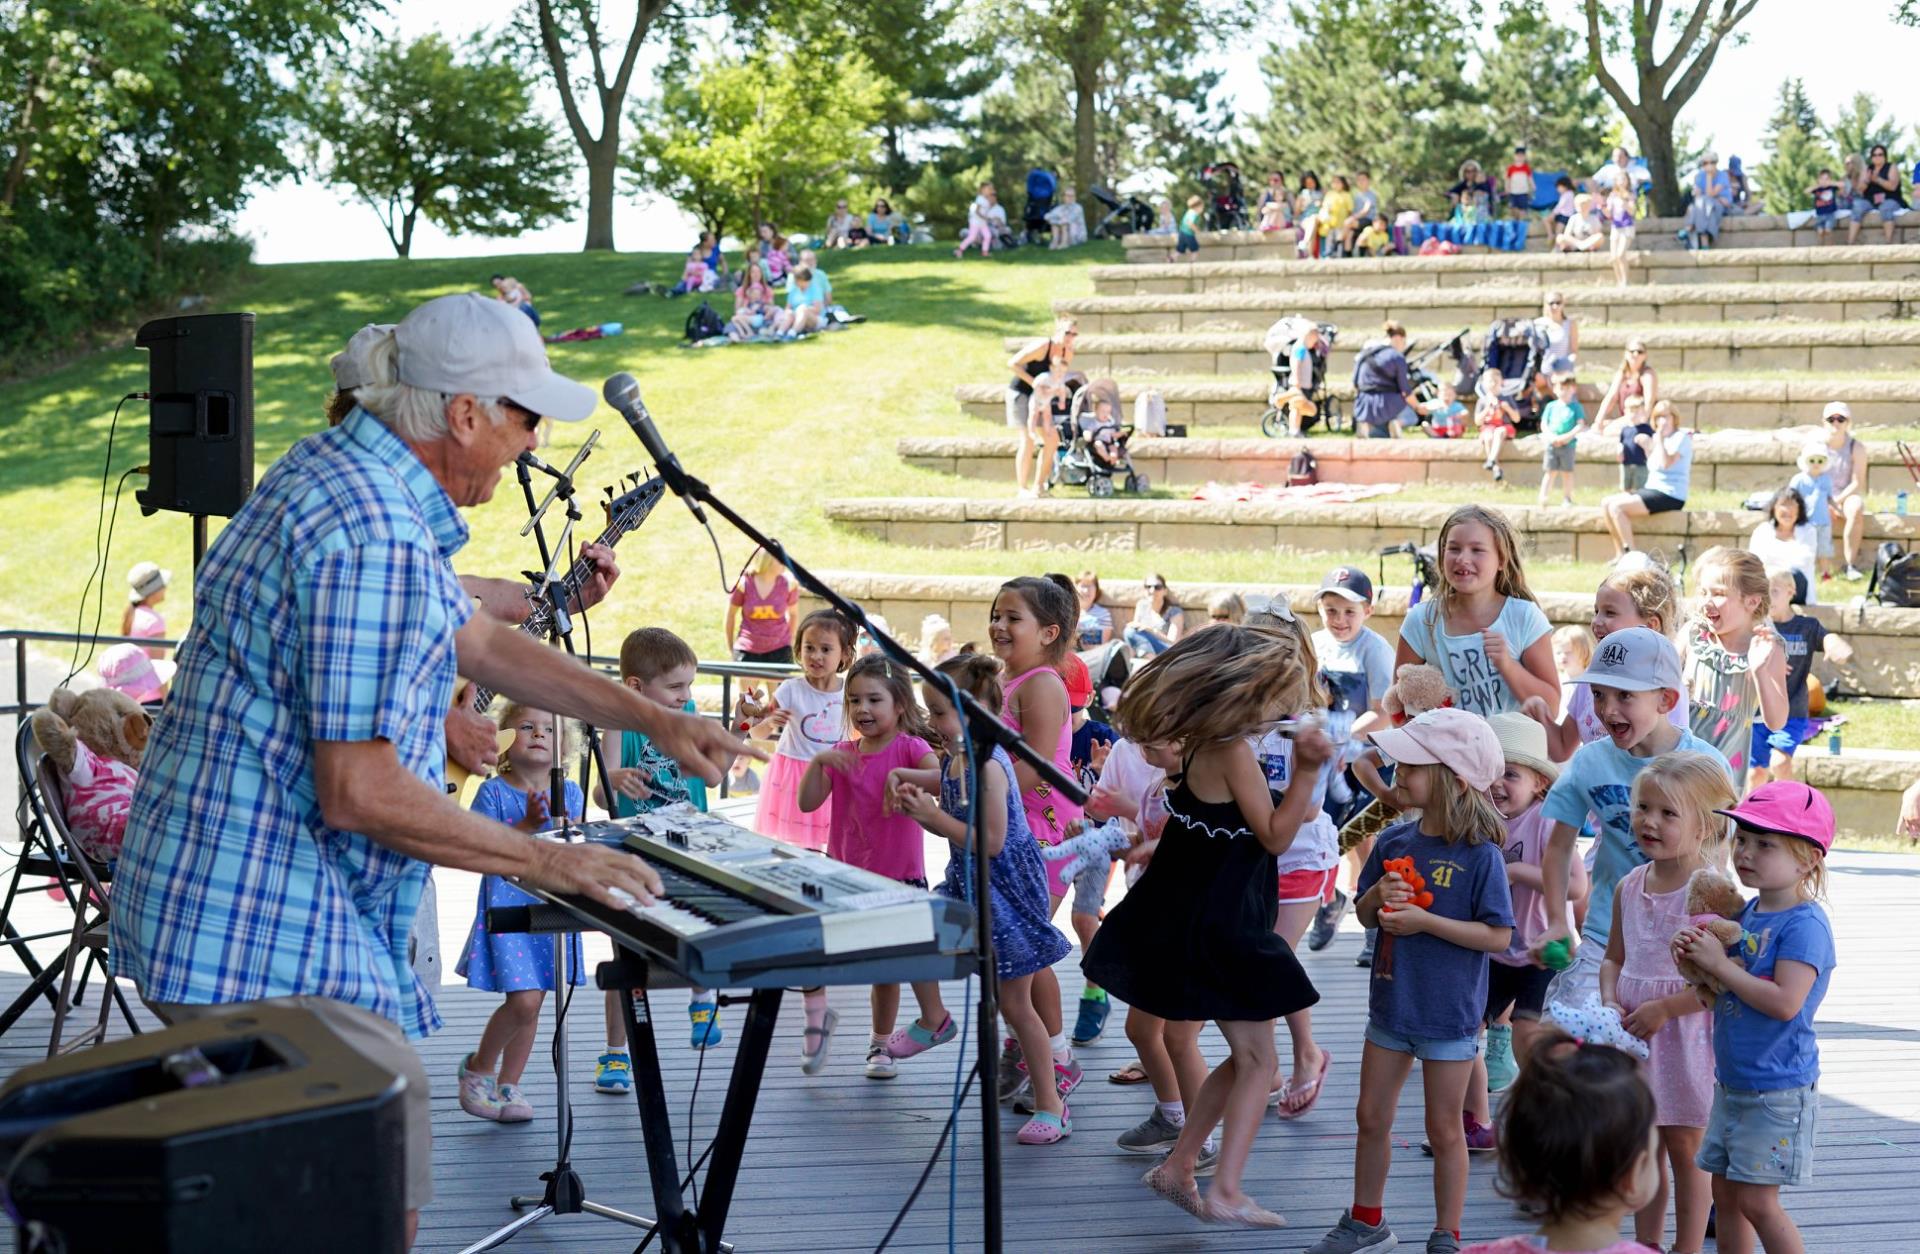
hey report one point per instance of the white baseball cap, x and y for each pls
(350, 368)
(1634, 659)
(1837, 409)
(486, 348)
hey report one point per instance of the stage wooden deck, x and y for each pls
(833, 1157)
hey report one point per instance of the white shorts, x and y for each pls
(1620, 240)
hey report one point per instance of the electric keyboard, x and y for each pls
(741, 910)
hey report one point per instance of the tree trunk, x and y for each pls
(23, 144)
(405, 243)
(1655, 133)
(603, 164)
(1084, 105)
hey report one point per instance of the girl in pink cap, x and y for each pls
(1766, 1104)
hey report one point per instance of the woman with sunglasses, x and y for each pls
(1562, 336)
(1635, 377)
(1157, 619)
(1876, 189)
(1847, 477)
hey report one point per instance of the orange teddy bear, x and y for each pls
(1415, 882)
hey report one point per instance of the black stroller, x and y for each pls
(1226, 198)
(1517, 349)
(1042, 190)
(1110, 665)
(1429, 368)
(1320, 404)
(1096, 443)
(1131, 216)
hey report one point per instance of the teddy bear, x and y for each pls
(1410, 875)
(95, 739)
(1714, 903)
(1416, 689)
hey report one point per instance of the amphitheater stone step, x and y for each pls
(1724, 461)
(1812, 346)
(1654, 235)
(1887, 642)
(1135, 525)
(1762, 404)
(1477, 306)
(1543, 270)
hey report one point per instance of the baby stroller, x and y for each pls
(1096, 448)
(1428, 368)
(1516, 348)
(1281, 338)
(1042, 189)
(1110, 665)
(1132, 216)
(1226, 199)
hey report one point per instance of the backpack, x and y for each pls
(1150, 413)
(704, 324)
(1896, 577)
(1304, 469)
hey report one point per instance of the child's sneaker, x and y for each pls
(478, 1096)
(514, 1108)
(1066, 1078)
(1012, 1074)
(1350, 1236)
(816, 1041)
(1092, 1020)
(1479, 1137)
(1501, 1068)
(1440, 1241)
(880, 1064)
(613, 1073)
(1152, 1135)
(705, 1016)
(914, 1039)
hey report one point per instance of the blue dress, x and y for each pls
(513, 962)
(1024, 937)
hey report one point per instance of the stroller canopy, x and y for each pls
(1041, 185)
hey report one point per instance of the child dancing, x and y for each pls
(1429, 986)
(1024, 941)
(1194, 939)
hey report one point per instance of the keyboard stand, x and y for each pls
(682, 1230)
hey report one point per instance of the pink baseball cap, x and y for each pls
(1786, 807)
(1457, 739)
(128, 668)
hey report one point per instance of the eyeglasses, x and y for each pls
(1636, 352)
(1156, 587)
(1836, 420)
(1221, 618)
(528, 417)
(1556, 304)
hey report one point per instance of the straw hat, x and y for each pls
(1523, 742)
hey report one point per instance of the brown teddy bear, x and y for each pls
(95, 739)
(1714, 903)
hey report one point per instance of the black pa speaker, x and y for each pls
(255, 1131)
(200, 413)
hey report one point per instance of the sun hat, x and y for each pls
(1786, 807)
(350, 367)
(1350, 582)
(1634, 659)
(1814, 451)
(468, 343)
(1457, 739)
(1523, 742)
(127, 667)
(1079, 681)
(145, 579)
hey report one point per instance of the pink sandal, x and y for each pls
(1187, 1199)
(1046, 1129)
(1248, 1214)
(1286, 1110)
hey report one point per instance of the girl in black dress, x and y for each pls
(1194, 939)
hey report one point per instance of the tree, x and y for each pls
(1858, 126)
(1537, 91)
(1662, 86)
(1795, 154)
(1378, 85)
(765, 137)
(419, 130)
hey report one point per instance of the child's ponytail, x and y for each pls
(1573, 1127)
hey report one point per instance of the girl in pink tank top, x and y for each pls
(1030, 629)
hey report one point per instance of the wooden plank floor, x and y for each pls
(831, 1158)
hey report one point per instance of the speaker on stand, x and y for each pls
(199, 417)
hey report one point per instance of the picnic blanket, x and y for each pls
(1302, 494)
(1505, 235)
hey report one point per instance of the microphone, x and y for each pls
(622, 391)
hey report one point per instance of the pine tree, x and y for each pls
(1796, 151)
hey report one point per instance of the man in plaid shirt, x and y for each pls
(291, 795)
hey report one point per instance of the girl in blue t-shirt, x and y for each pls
(1766, 1105)
(1484, 630)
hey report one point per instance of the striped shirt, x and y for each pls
(326, 610)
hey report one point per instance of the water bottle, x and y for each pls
(1900, 503)
(1833, 743)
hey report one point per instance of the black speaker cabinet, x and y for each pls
(289, 1143)
(200, 415)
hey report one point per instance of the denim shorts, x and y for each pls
(1823, 539)
(1761, 1138)
(1558, 457)
(1425, 1048)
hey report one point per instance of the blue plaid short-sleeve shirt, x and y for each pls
(326, 610)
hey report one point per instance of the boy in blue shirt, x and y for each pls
(1816, 489)
(1766, 1101)
(1560, 423)
(1635, 679)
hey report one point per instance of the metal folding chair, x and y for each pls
(88, 936)
(41, 857)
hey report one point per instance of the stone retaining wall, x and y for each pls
(1887, 661)
(1141, 525)
(1727, 461)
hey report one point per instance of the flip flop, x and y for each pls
(1132, 1073)
(1248, 1214)
(1311, 1089)
(1187, 1199)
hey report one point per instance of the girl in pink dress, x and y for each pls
(1674, 823)
(889, 731)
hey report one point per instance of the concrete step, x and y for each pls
(1781, 345)
(1133, 525)
(1654, 235)
(1887, 661)
(1753, 404)
(1544, 270)
(1361, 310)
(1731, 461)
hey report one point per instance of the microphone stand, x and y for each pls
(564, 1194)
(987, 732)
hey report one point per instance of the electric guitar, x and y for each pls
(624, 513)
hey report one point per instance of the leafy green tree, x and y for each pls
(1661, 83)
(1858, 126)
(1795, 151)
(1538, 92)
(770, 136)
(427, 130)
